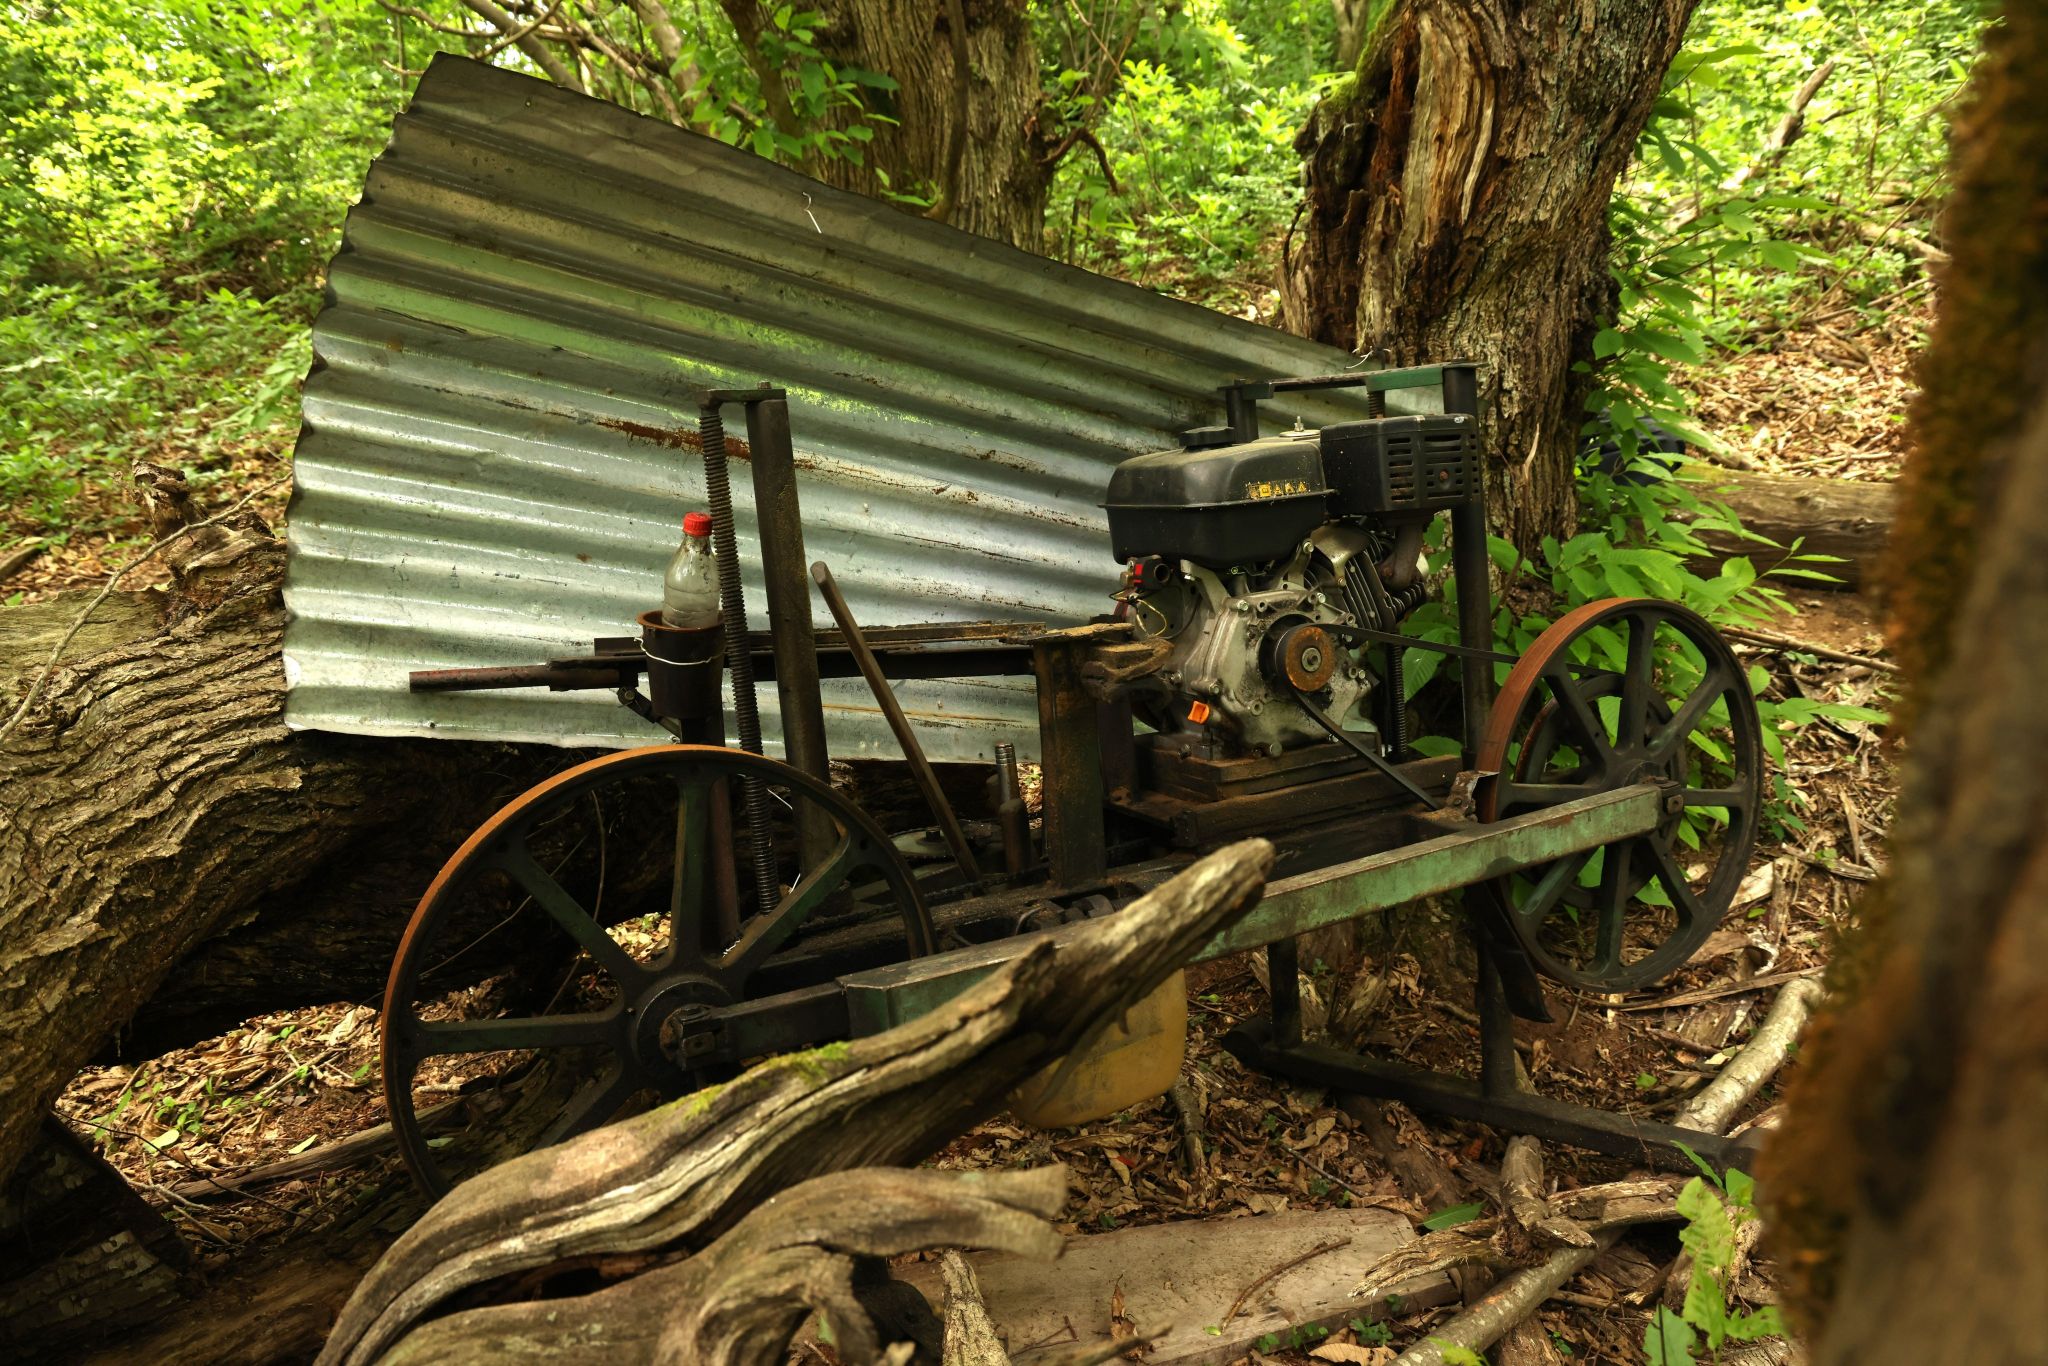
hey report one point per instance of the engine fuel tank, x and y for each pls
(1224, 506)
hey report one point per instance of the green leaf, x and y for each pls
(1668, 1340)
(1452, 1217)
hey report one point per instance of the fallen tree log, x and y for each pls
(152, 801)
(676, 1180)
(1848, 518)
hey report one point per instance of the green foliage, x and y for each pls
(95, 378)
(1198, 133)
(172, 178)
(1710, 243)
(829, 115)
(1372, 1333)
(1713, 1209)
(1452, 1217)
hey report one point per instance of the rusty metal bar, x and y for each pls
(921, 771)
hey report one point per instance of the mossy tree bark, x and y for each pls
(1910, 1158)
(1456, 208)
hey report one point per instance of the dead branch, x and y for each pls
(1280, 1270)
(1773, 151)
(680, 1176)
(1189, 1108)
(1465, 1245)
(528, 43)
(971, 1338)
(1777, 641)
(1715, 993)
(1521, 1182)
(1623, 1203)
(1714, 1108)
(741, 1300)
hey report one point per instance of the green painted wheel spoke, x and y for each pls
(567, 912)
(1728, 798)
(690, 884)
(1580, 716)
(1611, 909)
(432, 1038)
(1667, 872)
(1557, 880)
(1671, 736)
(1636, 687)
(768, 932)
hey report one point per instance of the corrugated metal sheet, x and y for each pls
(532, 277)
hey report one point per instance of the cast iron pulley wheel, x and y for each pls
(1667, 703)
(580, 949)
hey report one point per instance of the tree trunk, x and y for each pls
(153, 800)
(967, 105)
(1909, 1168)
(1456, 208)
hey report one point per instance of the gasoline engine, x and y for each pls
(1261, 563)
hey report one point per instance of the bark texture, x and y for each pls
(1910, 1156)
(1456, 208)
(82, 1253)
(967, 133)
(154, 800)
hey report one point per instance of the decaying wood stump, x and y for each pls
(679, 1181)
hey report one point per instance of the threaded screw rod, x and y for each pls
(739, 655)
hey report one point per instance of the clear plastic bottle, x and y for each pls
(689, 591)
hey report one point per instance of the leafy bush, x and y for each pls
(1199, 135)
(92, 380)
(1713, 1209)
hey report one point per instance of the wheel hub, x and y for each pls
(677, 1029)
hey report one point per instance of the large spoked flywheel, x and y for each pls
(1620, 692)
(581, 952)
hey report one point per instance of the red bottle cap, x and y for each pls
(697, 524)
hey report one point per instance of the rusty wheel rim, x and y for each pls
(619, 1044)
(1678, 713)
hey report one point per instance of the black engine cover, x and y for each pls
(1383, 466)
(1235, 505)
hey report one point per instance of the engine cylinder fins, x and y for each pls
(584, 951)
(1667, 704)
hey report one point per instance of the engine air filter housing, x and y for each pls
(1232, 505)
(1386, 465)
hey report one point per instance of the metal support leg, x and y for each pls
(1070, 754)
(1496, 1028)
(1283, 987)
(779, 521)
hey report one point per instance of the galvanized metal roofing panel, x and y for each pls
(492, 464)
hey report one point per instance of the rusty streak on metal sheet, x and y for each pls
(678, 438)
